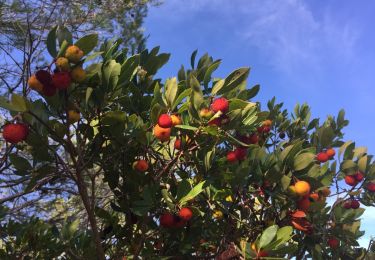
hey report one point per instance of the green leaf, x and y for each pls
(63, 34)
(63, 46)
(303, 160)
(187, 127)
(234, 80)
(19, 162)
(180, 97)
(362, 163)
(183, 189)
(209, 71)
(171, 89)
(87, 43)
(192, 194)
(88, 94)
(196, 97)
(267, 236)
(216, 88)
(19, 103)
(192, 59)
(51, 42)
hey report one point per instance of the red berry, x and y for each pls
(177, 144)
(331, 153)
(61, 80)
(165, 121)
(231, 157)
(220, 104)
(215, 121)
(49, 90)
(44, 77)
(303, 204)
(141, 165)
(262, 253)
(249, 139)
(350, 180)
(347, 204)
(240, 153)
(359, 176)
(333, 242)
(14, 133)
(370, 187)
(355, 204)
(266, 129)
(185, 214)
(167, 220)
(322, 157)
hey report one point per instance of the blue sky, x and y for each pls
(319, 52)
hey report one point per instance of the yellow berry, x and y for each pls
(73, 54)
(78, 74)
(62, 64)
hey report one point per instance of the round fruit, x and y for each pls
(61, 80)
(165, 121)
(240, 153)
(267, 123)
(218, 214)
(350, 180)
(330, 152)
(303, 204)
(302, 188)
(370, 187)
(220, 104)
(73, 53)
(333, 243)
(15, 132)
(347, 204)
(35, 84)
(167, 220)
(49, 90)
(231, 157)
(314, 196)
(62, 64)
(78, 74)
(322, 157)
(177, 144)
(355, 204)
(43, 76)
(140, 165)
(282, 135)
(266, 129)
(206, 113)
(163, 134)
(215, 121)
(73, 116)
(185, 214)
(249, 139)
(359, 176)
(176, 120)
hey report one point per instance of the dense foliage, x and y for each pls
(187, 167)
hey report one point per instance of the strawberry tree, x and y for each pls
(187, 167)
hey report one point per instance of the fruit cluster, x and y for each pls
(68, 69)
(169, 220)
(326, 155)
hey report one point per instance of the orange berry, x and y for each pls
(302, 188)
(330, 152)
(163, 134)
(314, 196)
(176, 120)
(73, 54)
(35, 84)
(140, 165)
(267, 123)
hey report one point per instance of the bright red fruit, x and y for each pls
(371, 187)
(359, 176)
(185, 214)
(240, 153)
(322, 157)
(333, 242)
(61, 80)
(350, 180)
(231, 157)
(220, 104)
(15, 132)
(141, 165)
(165, 121)
(167, 220)
(355, 204)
